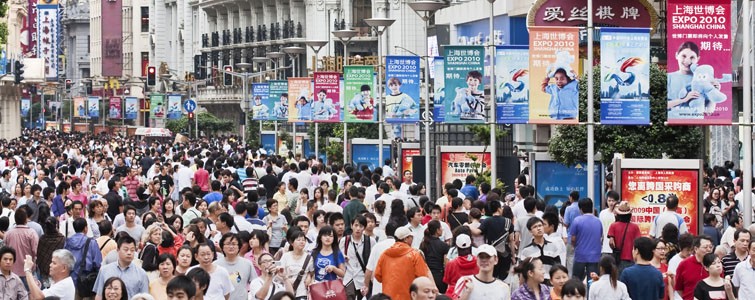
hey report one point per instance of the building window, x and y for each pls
(145, 63)
(145, 19)
(361, 9)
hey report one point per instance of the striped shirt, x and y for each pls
(730, 262)
(249, 184)
(548, 254)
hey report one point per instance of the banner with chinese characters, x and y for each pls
(554, 181)
(647, 190)
(463, 70)
(278, 95)
(367, 155)
(402, 79)
(326, 105)
(625, 76)
(28, 33)
(132, 107)
(554, 57)
(112, 37)
(457, 165)
(359, 101)
(512, 93)
(48, 31)
(157, 102)
(94, 107)
(300, 99)
(262, 104)
(607, 13)
(25, 107)
(114, 111)
(174, 107)
(80, 107)
(439, 88)
(699, 62)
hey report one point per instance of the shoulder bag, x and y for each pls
(85, 282)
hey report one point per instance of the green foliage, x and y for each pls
(569, 144)
(483, 176)
(482, 133)
(208, 123)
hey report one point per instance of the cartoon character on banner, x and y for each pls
(512, 88)
(398, 104)
(281, 108)
(707, 87)
(82, 109)
(361, 105)
(564, 102)
(115, 111)
(323, 107)
(93, 107)
(624, 80)
(130, 108)
(174, 107)
(259, 111)
(469, 103)
(303, 106)
(25, 108)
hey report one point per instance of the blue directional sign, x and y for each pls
(190, 105)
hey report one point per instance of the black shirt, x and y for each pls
(457, 219)
(703, 291)
(146, 162)
(165, 183)
(269, 181)
(494, 227)
(434, 252)
(114, 202)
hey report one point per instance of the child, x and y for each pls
(573, 290)
(281, 108)
(564, 95)
(400, 105)
(361, 105)
(322, 107)
(259, 111)
(304, 108)
(469, 103)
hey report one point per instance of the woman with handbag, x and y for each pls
(272, 280)
(622, 234)
(298, 263)
(329, 267)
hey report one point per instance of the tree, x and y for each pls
(208, 123)
(569, 144)
(334, 151)
(482, 134)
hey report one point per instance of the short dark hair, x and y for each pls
(105, 227)
(191, 197)
(6, 249)
(126, 239)
(672, 202)
(225, 237)
(530, 203)
(79, 224)
(585, 205)
(552, 219)
(227, 219)
(335, 217)
(574, 195)
(686, 241)
(740, 232)
(240, 208)
(166, 257)
(533, 221)
(645, 247)
(201, 277)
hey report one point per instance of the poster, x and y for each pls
(25, 107)
(512, 94)
(367, 155)
(402, 80)
(554, 181)
(699, 62)
(463, 70)
(48, 34)
(646, 190)
(268, 142)
(131, 108)
(326, 105)
(358, 96)
(554, 57)
(278, 96)
(174, 107)
(406, 159)
(625, 72)
(80, 107)
(300, 99)
(439, 94)
(457, 165)
(114, 111)
(261, 102)
(157, 102)
(94, 107)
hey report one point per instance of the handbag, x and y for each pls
(301, 273)
(327, 290)
(85, 282)
(617, 251)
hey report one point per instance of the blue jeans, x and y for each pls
(582, 269)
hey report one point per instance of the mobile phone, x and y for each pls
(278, 264)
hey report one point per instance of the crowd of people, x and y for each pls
(108, 217)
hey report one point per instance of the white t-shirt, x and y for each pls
(257, 284)
(375, 253)
(293, 267)
(369, 196)
(673, 264)
(606, 218)
(220, 283)
(183, 178)
(667, 217)
(332, 207)
(486, 290)
(65, 289)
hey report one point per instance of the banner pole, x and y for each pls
(747, 111)
(590, 116)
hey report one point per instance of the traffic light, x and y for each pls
(227, 77)
(191, 116)
(69, 83)
(18, 71)
(151, 73)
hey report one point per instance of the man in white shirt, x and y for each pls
(305, 179)
(239, 220)
(483, 285)
(744, 275)
(387, 170)
(685, 245)
(184, 176)
(371, 191)
(607, 217)
(60, 275)
(102, 188)
(670, 216)
(415, 226)
(408, 177)
(378, 250)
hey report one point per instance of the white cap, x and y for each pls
(463, 241)
(402, 233)
(487, 249)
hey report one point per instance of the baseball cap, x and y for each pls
(402, 233)
(487, 249)
(463, 241)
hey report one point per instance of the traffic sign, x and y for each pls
(190, 105)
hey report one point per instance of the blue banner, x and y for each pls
(625, 72)
(402, 80)
(94, 107)
(367, 154)
(512, 100)
(25, 107)
(464, 68)
(554, 181)
(174, 107)
(132, 108)
(261, 104)
(268, 143)
(439, 94)
(278, 95)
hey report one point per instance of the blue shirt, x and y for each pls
(564, 102)
(470, 191)
(643, 282)
(571, 213)
(323, 261)
(213, 197)
(589, 231)
(133, 276)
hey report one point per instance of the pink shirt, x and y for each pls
(131, 184)
(24, 240)
(202, 179)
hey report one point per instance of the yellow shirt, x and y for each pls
(157, 289)
(282, 200)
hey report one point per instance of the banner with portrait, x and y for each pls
(80, 107)
(326, 104)
(300, 99)
(699, 67)
(278, 95)
(554, 57)
(114, 110)
(261, 104)
(157, 103)
(25, 107)
(402, 78)
(512, 93)
(358, 96)
(132, 108)
(464, 90)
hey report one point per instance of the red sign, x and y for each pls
(457, 165)
(406, 159)
(646, 190)
(607, 13)
(112, 37)
(29, 31)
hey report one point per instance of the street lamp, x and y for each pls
(293, 53)
(316, 46)
(425, 9)
(244, 103)
(380, 25)
(275, 58)
(345, 37)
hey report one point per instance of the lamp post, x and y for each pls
(345, 37)
(316, 46)
(426, 9)
(244, 103)
(380, 25)
(293, 53)
(275, 58)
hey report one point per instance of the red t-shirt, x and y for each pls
(616, 230)
(202, 179)
(688, 274)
